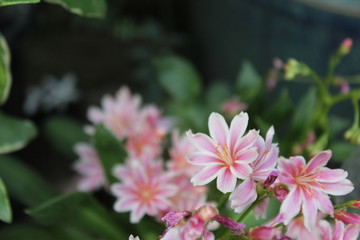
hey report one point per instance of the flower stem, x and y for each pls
(222, 201)
(250, 208)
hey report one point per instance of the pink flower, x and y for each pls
(265, 233)
(347, 217)
(131, 237)
(144, 193)
(310, 185)
(233, 106)
(297, 229)
(340, 231)
(89, 167)
(226, 155)
(181, 147)
(117, 114)
(245, 194)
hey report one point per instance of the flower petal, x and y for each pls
(324, 203)
(243, 195)
(290, 207)
(247, 141)
(203, 158)
(226, 181)
(352, 232)
(331, 175)
(237, 128)
(339, 230)
(340, 188)
(218, 128)
(320, 160)
(137, 214)
(246, 156)
(202, 142)
(309, 211)
(206, 175)
(241, 171)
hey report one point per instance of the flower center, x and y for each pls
(224, 154)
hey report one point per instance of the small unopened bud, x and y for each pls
(265, 232)
(206, 213)
(346, 46)
(235, 227)
(354, 204)
(174, 217)
(271, 178)
(280, 192)
(346, 217)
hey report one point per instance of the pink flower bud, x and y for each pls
(355, 204)
(346, 46)
(280, 192)
(265, 232)
(271, 178)
(278, 64)
(235, 227)
(346, 217)
(206, 213)
(174, 217)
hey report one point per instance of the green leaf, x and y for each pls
(217, 94)
(109, 150)
(23, 183)
(15, 133)
(87, 8)
(5, 71)
(11, 2)
(5, 209)
(78, 209)
(341, 151)
(281, 109)
(248, 82)
(304, 113)
(22, 231)
(64, 133)
(178, 77)
(338, 125)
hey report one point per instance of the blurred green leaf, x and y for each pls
(5, 209)
(23, 183)
(178, 77)
(216, 95)
(262, 125)
(272, 211)
(248, 82)
(87, 8)
(338, 125)
(22, 231)
(281, 109)
(15, 133)
(10, 2)
(5, 71)
(341, 151)
(78, 209)
(64, 133)
(109, 149)
(304, 113)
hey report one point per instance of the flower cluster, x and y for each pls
(247, 168)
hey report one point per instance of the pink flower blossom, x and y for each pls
(233, 106)
(89, 167)
(246, 193)
(181, 147)
(310, 185)
(340, 231)
(226, 155)
(347, 217)
(117, 114)
(297, 229)
(145, 193)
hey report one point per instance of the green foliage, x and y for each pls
(280, 110)
(304, 113)
(341, 151)
(64, 133)
(11, 2)
(5, 72)
(22, 231)
(78, 209)
(87, 8)
(109, 150)
(23, 183)
(178, 77)
(217, 94)
(15, 133)
(248, 82)
(5, 209)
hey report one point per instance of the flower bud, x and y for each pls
(271, 178)
(294, 68)
(174, 217)
(265, 232)
(235, 227)
(347, 218)
(206, 213)
(280, 192)
(354, 204)
(345, 46)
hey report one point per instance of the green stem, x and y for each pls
(356, 110)
(222, 201)
(250, 208)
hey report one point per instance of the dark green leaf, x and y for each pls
(64, 133)
(21, 232)
(304, 113)
(15, 133)
(216, 95)
(5, 209)
(338, 125)
(10, 2)
(341, 151)
(78, 209)
(178, 77)
(248, 82)
(5, 71)
(87, 8)
(281, 109)
(109, 150)
(23, 183)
